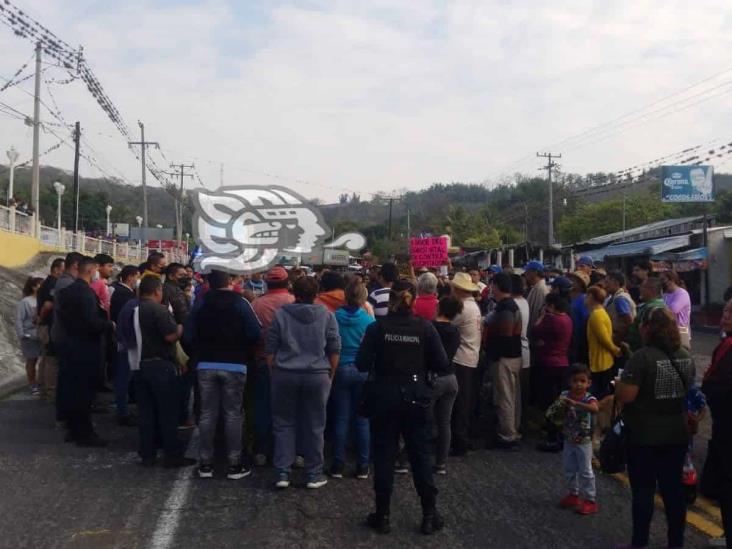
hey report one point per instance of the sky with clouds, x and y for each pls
(333, 96)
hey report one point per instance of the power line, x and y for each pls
(11, 81)
(587, 133)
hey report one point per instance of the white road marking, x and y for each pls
(168, 521)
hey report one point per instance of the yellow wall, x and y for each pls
(16, 249)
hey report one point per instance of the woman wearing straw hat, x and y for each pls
(466, 361)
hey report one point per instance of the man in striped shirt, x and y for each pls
(379, 299)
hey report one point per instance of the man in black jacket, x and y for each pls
(49, 362)
(176, 300)
(124, 291)
(173, 295)
(84, 322)
(222, 331)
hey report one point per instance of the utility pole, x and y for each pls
(391, 201)
(625, 195)
(77, 139)
(143, 146)
(550, 165)
(36, 173)
(179, 205)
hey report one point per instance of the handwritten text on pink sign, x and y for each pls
(428, 252)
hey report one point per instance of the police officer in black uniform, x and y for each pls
(400, 351)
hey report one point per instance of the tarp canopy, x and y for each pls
(643, 247)
(697, 254)
(647, 231)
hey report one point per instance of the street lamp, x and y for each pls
(12, 157)
(138, 218)
(59, 193)
(108, 209)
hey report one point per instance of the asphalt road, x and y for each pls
(54, 494)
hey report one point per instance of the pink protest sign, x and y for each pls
(428, 252)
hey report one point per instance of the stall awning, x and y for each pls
(643, 247)
(697, 254)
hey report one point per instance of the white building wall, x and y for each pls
(720, 264)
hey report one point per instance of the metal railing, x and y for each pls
(14, 221)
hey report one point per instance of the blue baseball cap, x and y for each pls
(586, 260)
(562, 283)
(495, 269)
(534, 266)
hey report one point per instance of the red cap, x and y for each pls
(276, 274)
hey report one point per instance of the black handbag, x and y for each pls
(614, 447)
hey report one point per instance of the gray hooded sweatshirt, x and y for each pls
(302, 337)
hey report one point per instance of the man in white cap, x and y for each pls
(466, 360)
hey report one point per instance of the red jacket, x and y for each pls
(552, 337)
(426, 306)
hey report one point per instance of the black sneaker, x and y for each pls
(336, 470)
(126, 421)
(431, 523)
(98, 409)
(92, 442)
(362, 472)
(176, 462)
(235, 472)
(379, 523)
(400, 469)
(439, 470)
(205, 470)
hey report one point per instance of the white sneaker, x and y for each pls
(283, 481)
(205, 470)
(316, 481)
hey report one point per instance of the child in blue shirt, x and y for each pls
(573, 413)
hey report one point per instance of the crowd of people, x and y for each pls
(413, 367)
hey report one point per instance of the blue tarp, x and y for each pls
(643, 247)
(697, 254)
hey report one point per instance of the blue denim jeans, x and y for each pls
(577, 459)
(121, 383)
(346, 393)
